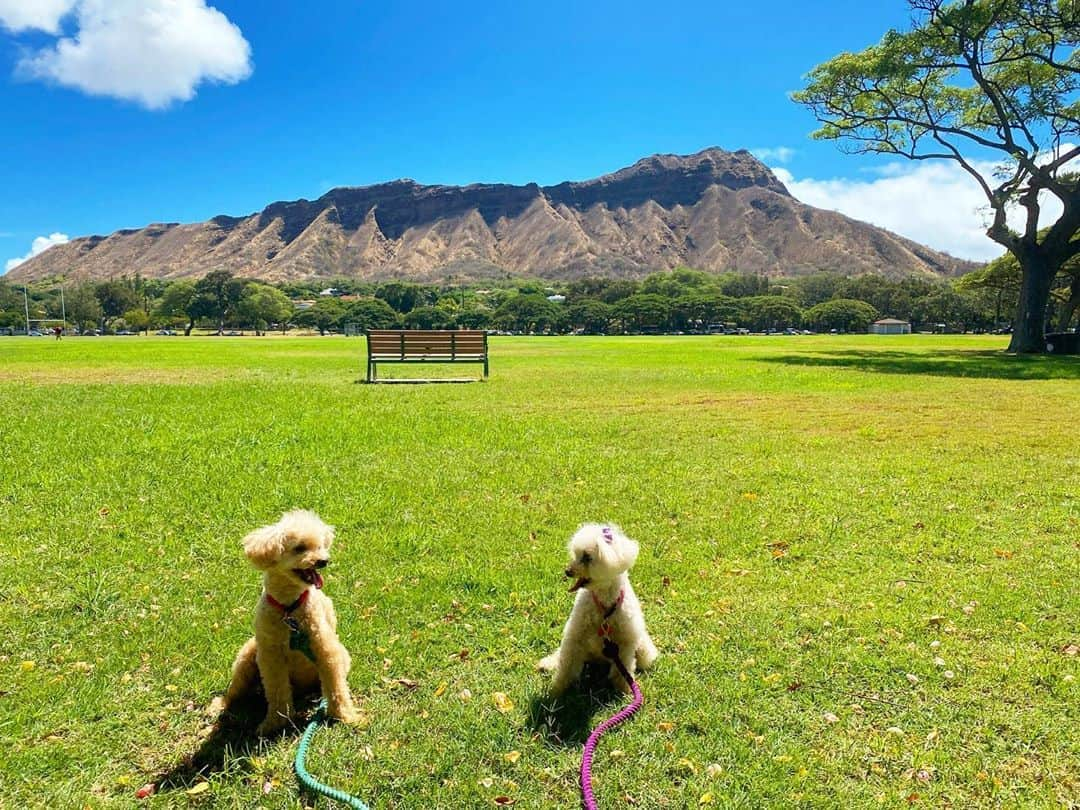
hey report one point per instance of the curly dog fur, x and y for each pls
(600, 557)
(290, 553)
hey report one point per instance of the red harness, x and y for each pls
(287, 609)
(605, 630)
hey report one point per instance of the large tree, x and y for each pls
(984, 83)
(261, 305)
(179, 301)
(217, 295)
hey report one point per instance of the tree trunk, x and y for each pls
(190, 326)
(1029, 330)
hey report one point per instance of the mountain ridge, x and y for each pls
(713, 210)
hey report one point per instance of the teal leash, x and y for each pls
(309, 781)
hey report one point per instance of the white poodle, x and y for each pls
(605, 608)
(296, 642)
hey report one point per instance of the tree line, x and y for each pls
(682, 300)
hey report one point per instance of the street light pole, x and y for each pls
(26, 306)
(63, 309)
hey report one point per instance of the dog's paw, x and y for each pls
(647, 655)
(271, 725)
(549, 664)
(345, 714)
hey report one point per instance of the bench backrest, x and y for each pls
(402, 344)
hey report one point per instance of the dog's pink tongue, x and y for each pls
(318, 580)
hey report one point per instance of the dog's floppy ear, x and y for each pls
(616, 549)
(264, 546)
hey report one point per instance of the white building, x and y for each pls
(890, 326)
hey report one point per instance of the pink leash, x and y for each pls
(611, 650)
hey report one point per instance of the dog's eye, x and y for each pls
(586, 558)
(300, 549)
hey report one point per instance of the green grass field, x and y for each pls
(860, 559)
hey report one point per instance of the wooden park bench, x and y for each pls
(425, 346)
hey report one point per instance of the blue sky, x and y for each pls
(114, 116)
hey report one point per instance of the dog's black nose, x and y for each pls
(569, 572)
(322, 563)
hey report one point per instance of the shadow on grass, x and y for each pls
(231, 739)
(566, 721)
(942, 363)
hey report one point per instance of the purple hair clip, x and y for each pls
(606, 532)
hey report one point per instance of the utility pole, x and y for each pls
(63, 309)
(26, 306)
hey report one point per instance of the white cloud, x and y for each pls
(776, 154)
(40, 245)
(42, 15)
(936, 203)
(152, 52)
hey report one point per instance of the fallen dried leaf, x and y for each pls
(512, 756)
(504, 801)
(687, 765)
(502, 702)
(198, 789)
(146, 790)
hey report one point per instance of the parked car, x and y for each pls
(166, 332)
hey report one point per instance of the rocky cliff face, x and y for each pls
(713, 210)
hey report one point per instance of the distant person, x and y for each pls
(58, 331)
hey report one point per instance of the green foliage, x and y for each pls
(696, 310)
(82, 305)
(261, 305)
(430, 318)
(528, 314)
(643, 311)
(11, 306)
(764, 312)
(116, 297)
(136, 319)
(590, 315)
(325, 315)
(842, 314)
(217, 295)
(743, 285)
(608, 290)
(404, 297)
(679, 282)
(370, 313)
(946, 306)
